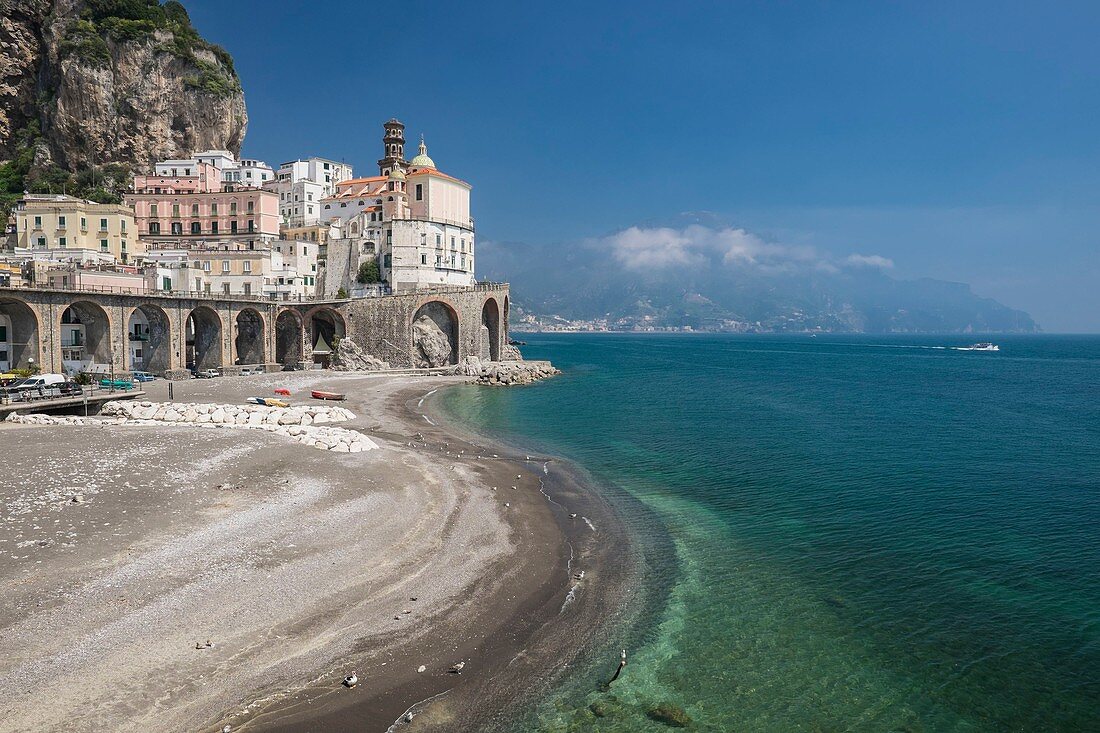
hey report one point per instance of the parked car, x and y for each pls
(70, 389)
(143, 377)
(207, 374)
(249, 371)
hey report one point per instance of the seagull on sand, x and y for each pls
(351, 680)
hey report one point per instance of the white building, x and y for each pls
(245, 172)
(414, 218)
(302, 184)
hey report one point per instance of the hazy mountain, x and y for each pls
(728, 279)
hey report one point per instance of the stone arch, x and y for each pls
(288, 338)
(203, 332)
(248, 342)
(326, 326)
(490, 330)
(20, 335)
(85, 338)
(435, 335)
(149, 337)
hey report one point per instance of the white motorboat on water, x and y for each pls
(983, 346)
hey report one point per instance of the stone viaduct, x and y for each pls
(229, 332)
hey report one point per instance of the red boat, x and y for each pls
(283, 392)
(319, 395)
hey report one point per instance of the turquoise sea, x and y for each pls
(843, 533)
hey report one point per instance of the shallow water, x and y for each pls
(871, 533)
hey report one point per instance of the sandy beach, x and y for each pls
(182, 579)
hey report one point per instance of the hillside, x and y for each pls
(92, 90)
(728, 280)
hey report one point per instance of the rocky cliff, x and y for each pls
(90, 82)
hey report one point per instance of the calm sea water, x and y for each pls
(869, 533)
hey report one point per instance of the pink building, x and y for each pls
(190, 209)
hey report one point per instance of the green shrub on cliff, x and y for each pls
(368, 273)
(84, 42)
(130, 21)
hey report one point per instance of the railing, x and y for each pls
(469, 224)
(271, 298)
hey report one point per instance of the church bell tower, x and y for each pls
(393, 147)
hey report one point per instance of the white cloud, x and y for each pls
(647, 248)
(877, 261)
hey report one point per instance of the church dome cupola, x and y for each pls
(422, 160)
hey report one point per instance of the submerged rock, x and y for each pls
(671, 715)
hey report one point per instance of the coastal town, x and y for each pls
(213, 265)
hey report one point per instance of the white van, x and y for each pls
(43, 381)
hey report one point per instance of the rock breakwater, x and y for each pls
(507, 373)
(304, 425)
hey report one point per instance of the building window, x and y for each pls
(248, 266)
(213, 227)
(206, 266)
(152, 209)
(196, 227)
(423, 259)
(103, 245)
(177, 227)
(233, 227)
(232, 207)
(225, 265)
(122, 222)
(61, 222)
(83, 224)
(420, 192)
(38, 222)
(102, 225)
(213, 209)
(154, 227)
(251, 225)
(248, 288)
(194, 209)
(438, 240)
(175, 210)
(61, 242)
(225, 288)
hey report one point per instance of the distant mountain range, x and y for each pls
(714, 279)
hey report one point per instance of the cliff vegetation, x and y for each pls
(94, 90)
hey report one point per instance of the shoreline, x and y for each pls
(502, 614)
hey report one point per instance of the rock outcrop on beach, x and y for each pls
(506, 373)
(433, 345)
(300, 424)
(348, 356)
(511, 352)
(88, 83)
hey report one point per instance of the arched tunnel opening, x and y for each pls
(288, 339)
(249, 341)
(19, 335)
(149, 335)
(85, 339)
(204, 339)
(326, 328)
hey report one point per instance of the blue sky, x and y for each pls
(959, 140)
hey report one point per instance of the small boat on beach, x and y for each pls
(321, 395)
(283, 392)
(268, 401)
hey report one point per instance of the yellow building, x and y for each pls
(313, 233)
(57, 222)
